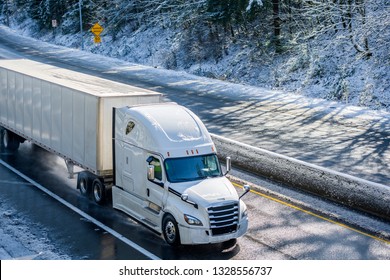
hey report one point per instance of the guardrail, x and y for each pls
(346, 189)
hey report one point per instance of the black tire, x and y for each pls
(229, 244)
(2, 131)
(98, 191)
(84, 183)
(11, 141)
(171, 230)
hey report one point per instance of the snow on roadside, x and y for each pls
(22, 239)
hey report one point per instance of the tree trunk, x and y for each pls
(276, 24)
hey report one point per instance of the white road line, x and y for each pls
(83, 214)
(8, 182)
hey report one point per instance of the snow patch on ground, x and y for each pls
(22, 239)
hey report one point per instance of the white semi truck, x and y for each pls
(157, 158)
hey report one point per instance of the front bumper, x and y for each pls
(194, 235)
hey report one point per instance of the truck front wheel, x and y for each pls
(171, 230)
(98, 191)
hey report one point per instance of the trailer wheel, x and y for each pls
(171, 230)
(10, 140)
(84, 183)
(2, 131)
(98, 191)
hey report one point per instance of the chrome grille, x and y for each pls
(223, 218)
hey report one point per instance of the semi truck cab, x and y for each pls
(167, 176)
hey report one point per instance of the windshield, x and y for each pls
(192, 168)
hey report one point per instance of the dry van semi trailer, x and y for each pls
(157, 158)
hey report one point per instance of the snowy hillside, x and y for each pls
(345, 57)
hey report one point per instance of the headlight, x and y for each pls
(192, 220)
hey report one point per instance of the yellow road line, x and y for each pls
(314, 214)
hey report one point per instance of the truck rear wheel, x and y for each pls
(10, 140)
(171, 230)
(84, 183)
(98, 191)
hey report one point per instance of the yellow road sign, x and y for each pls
(97, 29)
(97, 39)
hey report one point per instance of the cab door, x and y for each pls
(155, 184)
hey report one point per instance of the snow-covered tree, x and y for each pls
(353, 20)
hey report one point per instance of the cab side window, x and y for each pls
(130, 126)
(157, 167)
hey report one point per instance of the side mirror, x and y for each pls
(246, 190)
(228, 165)
(151, 172)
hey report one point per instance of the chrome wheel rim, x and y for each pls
(170, 231)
